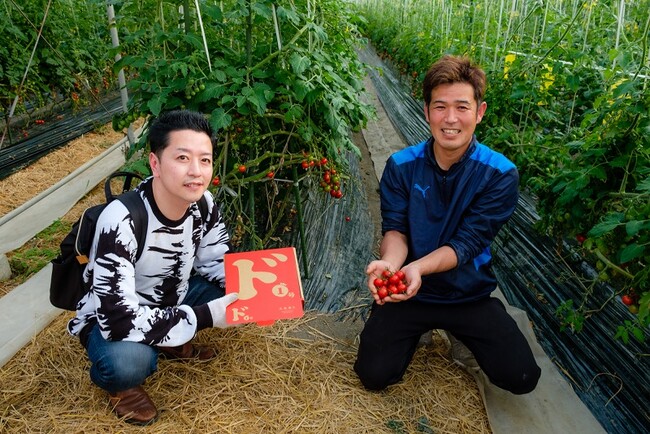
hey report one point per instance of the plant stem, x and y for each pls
(612, 265)
(301, 223)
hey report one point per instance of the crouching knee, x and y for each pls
(525, 383)
(373, 377)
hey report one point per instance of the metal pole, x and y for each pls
(110, 11)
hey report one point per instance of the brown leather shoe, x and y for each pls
(188, 351)
(134, 405)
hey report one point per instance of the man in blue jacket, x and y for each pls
(442, 203)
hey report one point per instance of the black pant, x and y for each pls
(393, 330)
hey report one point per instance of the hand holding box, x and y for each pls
(268, 283)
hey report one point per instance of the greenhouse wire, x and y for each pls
(608, 376)
(54, 134)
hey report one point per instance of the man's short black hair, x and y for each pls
(176, 120)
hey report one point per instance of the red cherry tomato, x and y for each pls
(379, 282)
(386, 273)
(400, 275)
(393, 280)
(627, 300)
(382, 292)
(241, 168)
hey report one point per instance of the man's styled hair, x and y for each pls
(454, 69)
(176, 120)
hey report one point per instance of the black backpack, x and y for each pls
(66, 284)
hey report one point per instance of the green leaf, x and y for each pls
(262, 9)
(294, 113)
(300, 89)
(219, 119)
(610, 222)
(644, 185)
(633, 227)
(632, 251)
(299, 63)
(598, 172)
(155, 105)
(638, 334)
(622, 334)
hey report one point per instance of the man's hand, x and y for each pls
(218, 309)
(374, 270)
(412, 276)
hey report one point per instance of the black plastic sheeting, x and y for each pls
(338, 249)
(55, 133)
(537, 275)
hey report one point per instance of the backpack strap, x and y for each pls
(134, 203)
(203, 208)
(129, 177)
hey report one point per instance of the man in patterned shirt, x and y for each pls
(138, 309)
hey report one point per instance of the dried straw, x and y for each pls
(287, 378)
(21, 186)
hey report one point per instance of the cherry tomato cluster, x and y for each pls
(390, 283)
(331, 183)
(631, 300)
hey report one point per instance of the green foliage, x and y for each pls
(39, 251)
(570, 108)
(71, 57)
(280, 82)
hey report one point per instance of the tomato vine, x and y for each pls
(280, 83)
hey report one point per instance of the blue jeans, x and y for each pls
(121, 365)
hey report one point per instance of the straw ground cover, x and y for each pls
(28, 182)
(294, 376)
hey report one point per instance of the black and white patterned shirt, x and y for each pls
(143, 301)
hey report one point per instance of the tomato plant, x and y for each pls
(70, 62)
(279, 83)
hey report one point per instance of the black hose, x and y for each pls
(55, 133)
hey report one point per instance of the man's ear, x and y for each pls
(480, 111)
(154, 163)
(426, 112)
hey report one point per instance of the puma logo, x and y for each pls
(423, 190)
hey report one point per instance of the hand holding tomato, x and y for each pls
(376, 271)
(414, 278)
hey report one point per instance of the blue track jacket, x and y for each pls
(463, 208)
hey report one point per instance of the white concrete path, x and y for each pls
(26, 310)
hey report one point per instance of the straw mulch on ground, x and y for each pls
(26, 183)
(287, 378)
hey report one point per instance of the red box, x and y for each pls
(268, 283)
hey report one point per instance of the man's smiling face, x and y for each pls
(452, 116)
